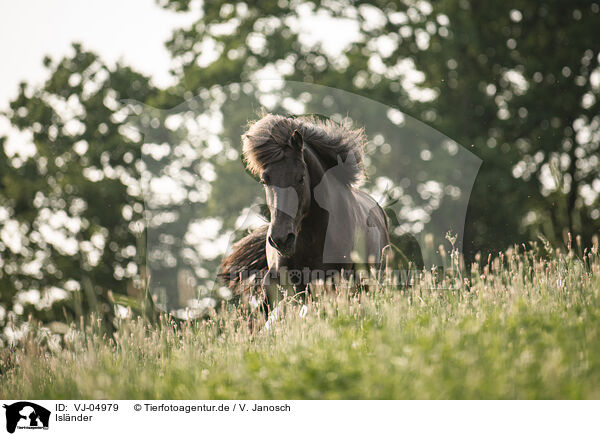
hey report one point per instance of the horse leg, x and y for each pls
(301, 293)
(276, 285)
(271, 288)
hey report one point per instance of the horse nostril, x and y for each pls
(282, 244)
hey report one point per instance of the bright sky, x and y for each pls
(132, 30)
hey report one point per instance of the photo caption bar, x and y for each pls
(297, 417)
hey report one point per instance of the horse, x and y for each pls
(322, 225)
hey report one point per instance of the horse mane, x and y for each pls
(266, 140)
(244, 267)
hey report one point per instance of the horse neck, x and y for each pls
(316, 171)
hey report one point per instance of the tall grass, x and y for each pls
(521, 325)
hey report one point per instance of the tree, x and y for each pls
(73, 209)
(517, 82)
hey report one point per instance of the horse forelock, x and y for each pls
(267, 139)
(262, 143)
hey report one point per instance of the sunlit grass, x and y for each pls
(521, 326)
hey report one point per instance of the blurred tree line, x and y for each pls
(515, 82)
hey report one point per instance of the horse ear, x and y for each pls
(296, 141)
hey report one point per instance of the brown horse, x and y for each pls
(321, 223)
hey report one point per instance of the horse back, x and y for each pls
(373, 223)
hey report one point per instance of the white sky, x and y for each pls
(132, 30)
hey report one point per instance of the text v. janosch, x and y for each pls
(269, 408)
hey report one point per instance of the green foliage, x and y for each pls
(76, 201)
(528, 329)
(512, 81)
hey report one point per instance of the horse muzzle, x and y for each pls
(284, 244)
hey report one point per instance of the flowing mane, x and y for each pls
(267, 138)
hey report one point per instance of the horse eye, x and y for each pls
(301, 181)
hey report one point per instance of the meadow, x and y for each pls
(521, 325)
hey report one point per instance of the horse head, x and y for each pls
(287, 190)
